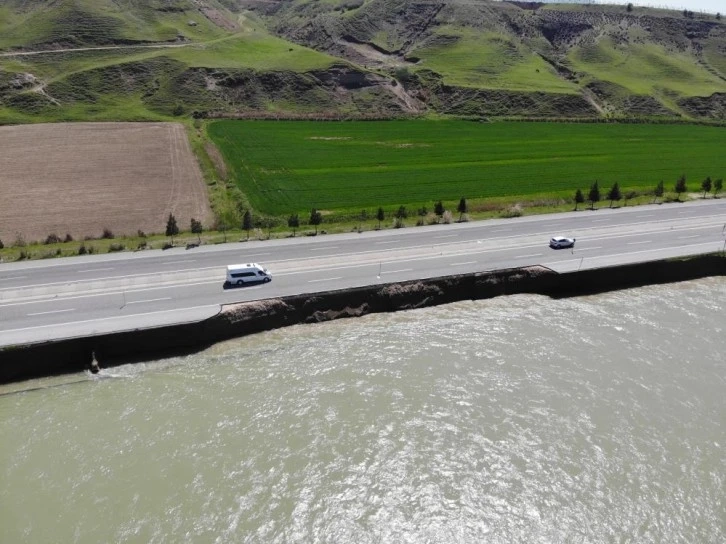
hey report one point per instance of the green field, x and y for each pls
(291, 166)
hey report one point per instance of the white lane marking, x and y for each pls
(54, 312)
(134, 276)
(530, 255)
(233, 288)
(326, 279)
(691, 236)
(258, 254)
(94, 270)
(501, 230)
(631, 253)
(179, 262)
(588, 248)
(110, 293)
(323, 248)
(462, 264)
(397, 271)
(447, 236)
(638, 243)
(113, 317)
(600, 220)
(13, 278)
(647, 215)
(148, 300)
(391, 242)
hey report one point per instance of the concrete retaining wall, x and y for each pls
(235, 320)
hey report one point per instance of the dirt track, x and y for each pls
(80, 178)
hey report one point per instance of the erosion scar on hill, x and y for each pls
(82, 178)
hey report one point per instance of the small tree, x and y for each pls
(294, 223)
(196, 228)
(439, 210)
(717, 186)
(658, 192)
(363, 216)
(681, 186)
(629, 8)
(247, 222)
(706, 185)
(462, 208)
(594, 195)
(630, 195)
(315, 219)
(172, 229)
(579, 198)
(380, 216)
(614, 194)
(1, 244)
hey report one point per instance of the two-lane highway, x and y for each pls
(43, 300)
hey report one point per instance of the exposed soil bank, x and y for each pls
(235, 320)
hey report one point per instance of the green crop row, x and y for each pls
(292, 166)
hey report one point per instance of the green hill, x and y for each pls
(157, 59)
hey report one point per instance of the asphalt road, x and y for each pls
(59, 298)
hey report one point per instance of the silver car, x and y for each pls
(559, 242)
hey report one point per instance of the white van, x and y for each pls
(239, 274)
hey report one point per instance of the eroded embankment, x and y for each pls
(235, 320)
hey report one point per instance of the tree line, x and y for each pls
(615, 194)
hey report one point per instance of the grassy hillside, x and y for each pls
(156, 59)
(34, 24)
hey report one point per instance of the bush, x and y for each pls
(52, 239)
(107, 234)
(23, 255)
(116, 247)
(398, 223)
(512, 211)
(140, 233)
(19, 240)
(447, 217)
(142, 245)
(68, 238)
(82, 250)
(1, 244)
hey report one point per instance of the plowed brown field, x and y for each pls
(80, 178)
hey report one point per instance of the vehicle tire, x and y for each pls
(267, 280)
(239, 282)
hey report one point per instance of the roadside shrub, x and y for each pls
(52, 239)
(82, 249)
(167, 245)
(1, 244)
(512, 211)
(107, 234)
(447, 217)
(398, 223)
(23, 255)
(116, 247)
(19, 240)
(68, 238)
(142, 245)
(140, 233)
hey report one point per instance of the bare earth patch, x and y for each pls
(80, 178)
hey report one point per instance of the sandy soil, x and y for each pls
(80, 178)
